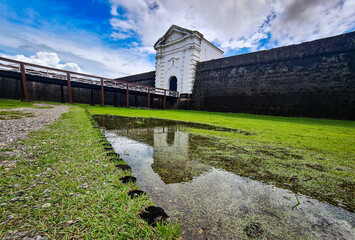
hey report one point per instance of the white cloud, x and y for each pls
(46, 59)
(82, 48)
(305, 20)
(120, 35)
(237, 24)
(231, 24)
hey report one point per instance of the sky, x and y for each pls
(115, 38)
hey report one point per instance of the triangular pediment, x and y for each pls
(174, 34)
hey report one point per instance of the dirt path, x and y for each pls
(13, 130)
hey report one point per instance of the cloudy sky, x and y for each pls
(115, 38)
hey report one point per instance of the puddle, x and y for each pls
(208, 201)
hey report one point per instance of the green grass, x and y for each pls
(332, 136)
(315, 157)
(67, 169)
(10, 103)
(8, 115)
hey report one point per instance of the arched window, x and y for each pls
(173, 83)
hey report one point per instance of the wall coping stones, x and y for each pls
(340, 43)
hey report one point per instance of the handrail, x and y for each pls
(120, 84)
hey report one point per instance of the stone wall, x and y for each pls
(313, 79)
(147, 78)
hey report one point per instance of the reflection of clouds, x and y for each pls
(222, 202)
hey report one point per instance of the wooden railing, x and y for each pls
(69, 76)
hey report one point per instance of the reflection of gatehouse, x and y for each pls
(180, 168)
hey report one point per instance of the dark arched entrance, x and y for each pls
(173, 83)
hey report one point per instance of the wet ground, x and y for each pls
(206, 196)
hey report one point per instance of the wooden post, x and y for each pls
(148, 97)
(69, 88)
(24, 83)
(164, 99)
(127, 97)
(102, 93)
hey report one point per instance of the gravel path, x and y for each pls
(16, 129)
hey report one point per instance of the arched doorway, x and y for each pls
(173, 83)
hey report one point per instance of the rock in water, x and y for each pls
(128, 179)
(152, 215)
(109, 149)
(123, 167)
(135, 193)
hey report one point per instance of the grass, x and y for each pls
(8, 115)
(68, 189)
(307, 133)
(315, 157)
(10, 103)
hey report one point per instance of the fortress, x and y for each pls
(311, 79)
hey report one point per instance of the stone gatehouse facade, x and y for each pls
(177, 54)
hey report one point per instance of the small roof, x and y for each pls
(183, 31)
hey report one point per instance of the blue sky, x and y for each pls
(115, 38)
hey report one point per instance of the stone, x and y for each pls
(128, 179)
(84, 186)
(41, 238)
(71, 222)
(289, 81)
(15, 199)
(135, 193)
(46, 205)
(123, 167)
(152, 215)
(20, 193)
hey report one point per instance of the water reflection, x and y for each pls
(209, 202)
(171, 157)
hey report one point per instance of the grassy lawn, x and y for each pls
(10, 103)
(315, 157)
(67, 188)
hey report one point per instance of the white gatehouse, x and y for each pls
(177, 54)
